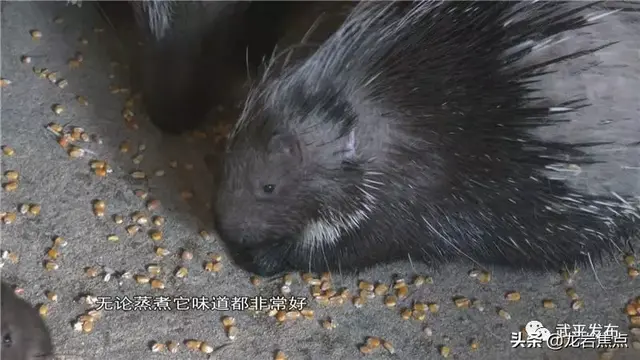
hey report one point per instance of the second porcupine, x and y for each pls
(431, 130)
(197, 55)
(25, 335)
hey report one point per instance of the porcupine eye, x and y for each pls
(6, 340)
(268, 188)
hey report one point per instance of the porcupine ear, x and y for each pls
(287, 144)
(349, 148)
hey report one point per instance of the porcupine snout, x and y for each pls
(251, 241)
(247, 248)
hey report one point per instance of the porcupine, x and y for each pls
(198, 55)
(25, 335)
(425, 130)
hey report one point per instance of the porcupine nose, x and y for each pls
(234, 228)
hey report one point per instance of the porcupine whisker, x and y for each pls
(324, 257)
(246, 64)
(411, 262)
(595, 273)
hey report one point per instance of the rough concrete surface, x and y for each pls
(66, 187)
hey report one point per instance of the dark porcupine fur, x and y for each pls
(198, 53)
(25, 335)
(408, 132)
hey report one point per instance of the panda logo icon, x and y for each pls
(535, 331)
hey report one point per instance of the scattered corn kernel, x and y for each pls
(50, 265)
(390, 301)
(373, 342)
(205, 235)
(548, 304)
(156, 235)
(193, 344)
(512, 296)
(182, 272)
(280, 356)
(113, 238)
(381, 289)
(206, 348)
(232, 332)
(419, 315)
(434, 308)
(132, 229)
(406, 314)
(363, 285)
(154, 269)
(142, 279)
(213, 267)
(172, 346)
(388, 346)
(52, 296)
(419, 280)
(36, 34)
(402, 292)
(399, 283)
(87, 326)
(99, 207)
(158, 347)
(445, 351)
(138, 175)
(8, 150)
(358, 301)
(139, 218)
(158, 220)
(75, 152)
(23, 208)
(474, 344)
(153, 205)
(462, 302)
(13, 257)
(504, 314)
(9, 218)
(307, 313)
(484, 277)
(12, 175)
(57, 108)
(91, 272)
(228, 321)
(328, 324)
(10, 186)
(137, 160)
(157, 284)
(186, 255)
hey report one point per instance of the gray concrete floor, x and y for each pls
(65, 189)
